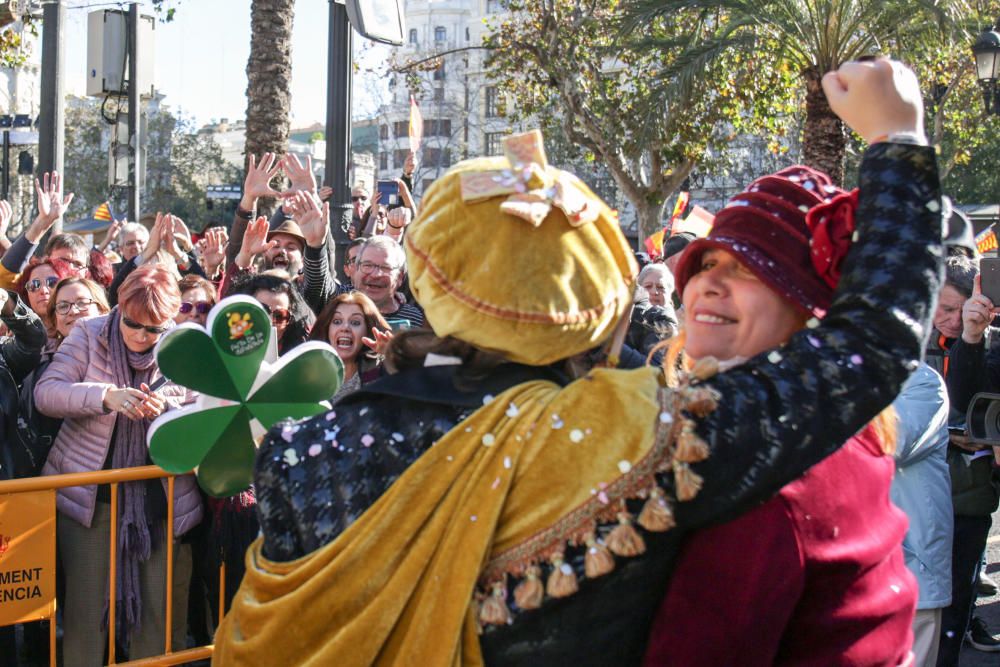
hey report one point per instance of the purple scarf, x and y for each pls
(134, 538)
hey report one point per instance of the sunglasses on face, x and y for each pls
(132, 324)
(36, 284)
(278, 315)
(80, 305)
(201, 307)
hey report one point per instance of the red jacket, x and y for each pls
(815, 576)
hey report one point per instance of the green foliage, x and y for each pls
(627, 106)
(811, 37)
(165, 9)
(179, 165)
(14, 48)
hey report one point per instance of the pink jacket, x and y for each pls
(73, 388)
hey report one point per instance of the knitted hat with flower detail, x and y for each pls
(517, 257)
(792, 229)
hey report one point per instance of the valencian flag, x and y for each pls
(416, 125)
(986, 240)
(103, 213)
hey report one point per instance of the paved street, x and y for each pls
(989, 608)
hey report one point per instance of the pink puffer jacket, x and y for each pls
(73, 388)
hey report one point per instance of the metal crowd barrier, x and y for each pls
(114, 478)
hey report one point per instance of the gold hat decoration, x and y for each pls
(535, 292)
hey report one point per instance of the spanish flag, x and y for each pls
(103, 213)
(986, 240)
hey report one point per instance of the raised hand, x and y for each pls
(313, 217)
(257, 183)
(876, 98)
(113, 230)
(254, 242)
(51, 205)
(161, 230)
(378, 343)
(301, 176)
(977, 313)
(213, 250)
(325, 192)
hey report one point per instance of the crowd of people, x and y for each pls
(547, 449)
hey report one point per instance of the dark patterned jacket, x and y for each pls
(781, 413)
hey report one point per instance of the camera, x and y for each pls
(983, 419)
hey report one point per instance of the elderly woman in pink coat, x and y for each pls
(98, 383)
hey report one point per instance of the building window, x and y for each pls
(439, 72)
(494, 143)
(437, 157)
(492, 102)
(467, 38)
(402, 128)
(399, 156)
(413, 36)
(383, 161)
(440, 34)
(439, 94)
(383, 132)
(437, 128)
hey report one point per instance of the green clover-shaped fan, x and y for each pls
(244, 389)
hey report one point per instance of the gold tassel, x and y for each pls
(688, 481)
(493, 610)
(700, 401)
(598, 561)
(623, 540)
(529, 593)
(656, 515)
(690, 447)
(562, 581)
(705, 368)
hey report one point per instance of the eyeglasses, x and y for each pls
(278, 315)
(201, 307)
(36, 284)
(156, 331)
(80, 305)
(73, 263)
(369, 267)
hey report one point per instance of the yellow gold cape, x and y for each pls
(537, 466)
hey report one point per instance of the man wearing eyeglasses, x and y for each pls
(378, 275)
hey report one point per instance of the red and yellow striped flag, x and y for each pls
(103, 213)
(986, 240)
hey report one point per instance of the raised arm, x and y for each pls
(785, 410)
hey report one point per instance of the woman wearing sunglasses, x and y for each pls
(98, 384)
(197, 298)
(291, 317)
(35, 286)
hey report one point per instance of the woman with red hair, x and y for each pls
(99, 384)
(36, 284)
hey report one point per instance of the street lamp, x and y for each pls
(987, 52)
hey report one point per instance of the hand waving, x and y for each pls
(313, 217)
(51, 203)
(254, 242)
(259, 174)
(301, 176)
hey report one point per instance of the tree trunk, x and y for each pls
(650, 220)
(824, 141)
(269, 80)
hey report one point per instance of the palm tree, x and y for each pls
(269, 79)
(812, 38)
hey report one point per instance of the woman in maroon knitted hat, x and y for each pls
(816, 575)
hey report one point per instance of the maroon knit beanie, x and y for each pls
(792, 229)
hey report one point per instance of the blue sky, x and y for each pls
(201, 59)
